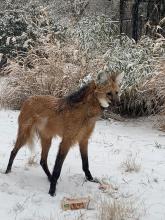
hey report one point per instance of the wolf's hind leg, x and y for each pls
(45, 144)
(22, 139)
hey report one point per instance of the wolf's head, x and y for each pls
(107, 88)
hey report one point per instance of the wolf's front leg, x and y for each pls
(63, 150)
(85, 164)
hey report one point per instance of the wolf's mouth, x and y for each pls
(104, 102)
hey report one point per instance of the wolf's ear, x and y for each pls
(101, 77)
(117, 77)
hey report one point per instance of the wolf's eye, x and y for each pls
(109, 93)
(117, 93)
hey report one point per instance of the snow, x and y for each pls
(24, 192)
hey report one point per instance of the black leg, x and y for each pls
(21, 140)
(85, 166)
(84, 157)
(63, 150)
(12, 156)
(44, 166)
(45, 143)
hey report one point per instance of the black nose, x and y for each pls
(116, 101)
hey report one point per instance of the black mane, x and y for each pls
(78, 96)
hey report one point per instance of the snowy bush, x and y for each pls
(94, 33)
(22, 29)
(75, 8)
(136, 61)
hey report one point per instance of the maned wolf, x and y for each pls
(72, 118)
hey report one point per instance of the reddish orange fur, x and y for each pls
(50, 116)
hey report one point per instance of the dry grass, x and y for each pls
(159, 121)
(123, 209)
(146, 98)
(118, 210)
(131, 165)
(48, 70)
(157, 145)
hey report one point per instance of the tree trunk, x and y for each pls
(135, 19)
(121, 15)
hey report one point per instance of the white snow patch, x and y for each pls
(24, 192)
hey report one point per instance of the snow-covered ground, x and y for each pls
(24, 192)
